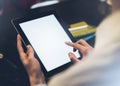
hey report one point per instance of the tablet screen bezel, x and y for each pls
(16, 23)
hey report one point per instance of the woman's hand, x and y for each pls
(30, 63)
(82, 46)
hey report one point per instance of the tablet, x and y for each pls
(47, 35)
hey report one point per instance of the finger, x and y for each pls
(30, 51)
(19, 47)
(74, 45)
(85, 44)
(82, 42)
(77, 46)
(69, 43)
(73, 58)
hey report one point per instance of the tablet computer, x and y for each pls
(47, 34)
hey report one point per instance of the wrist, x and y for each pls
(37, 79)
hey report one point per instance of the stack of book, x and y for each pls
(82, 30)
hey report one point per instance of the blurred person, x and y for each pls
(101, 66)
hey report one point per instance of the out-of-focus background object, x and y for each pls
(82, 30)
(44, 3)
(104, 7)
(1, 56)
(109, 2)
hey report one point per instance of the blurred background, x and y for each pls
(85, 14)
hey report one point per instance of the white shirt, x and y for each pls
(102, 67)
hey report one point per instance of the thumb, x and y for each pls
(73, 58)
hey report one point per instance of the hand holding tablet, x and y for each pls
(47, 34)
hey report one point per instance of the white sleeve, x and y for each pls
(101, 70)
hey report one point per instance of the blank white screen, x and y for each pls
(47, 38)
